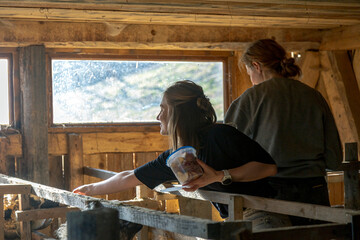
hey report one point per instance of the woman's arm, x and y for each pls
(248, 172)
(121, 181)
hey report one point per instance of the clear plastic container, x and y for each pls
(184, 165)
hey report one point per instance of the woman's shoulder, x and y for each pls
(224, 129)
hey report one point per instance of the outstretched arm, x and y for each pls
(248, 172)
(121, 181)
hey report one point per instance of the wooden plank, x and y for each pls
(111, 143)
(2, 219)
(195, 208)
(342, 38)
(25, 227)
(121, 162)
(351, 178)
(235, 208)
(337, 98)
(310, 66)
(341, 61)
(98, 161)
(14, 147)
(356, 65)
(35, 214)
(311, 232)
(34, 118)
(143, 191)
(238, 14)
(241, 81)
(75, 161)
(3, 153)
(175, 223)
(56, 177)
(14, 189)
(273, 205)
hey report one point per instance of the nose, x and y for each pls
(158, 117)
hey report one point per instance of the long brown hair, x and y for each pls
(272, 56)
(190, 111)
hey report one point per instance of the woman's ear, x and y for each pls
(257, 66)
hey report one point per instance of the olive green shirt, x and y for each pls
(293, 122)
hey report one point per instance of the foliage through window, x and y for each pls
(94, 91)
(4, 91)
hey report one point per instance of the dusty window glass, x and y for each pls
(4, 91)
(91, 91)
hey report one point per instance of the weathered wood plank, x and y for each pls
(25, 227)
(2, 220)
(337, 99)
(351, 178)
(111, 143)
(121, 36)
(14, 145)
(3, 153)
(343, 38)
(180, 224)
(35, 162)
(356, 65)
(34, 214)
(121, 162)
(235, 208)
(14, 189)
(272, 205)
(194, 13)
(310, 67)
(75, 161)
(56, 178)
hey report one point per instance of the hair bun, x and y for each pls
(203, 103)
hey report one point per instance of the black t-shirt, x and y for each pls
(223, 147)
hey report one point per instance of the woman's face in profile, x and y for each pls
(163, 117)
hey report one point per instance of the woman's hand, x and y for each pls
(210, 176)
(84, 190)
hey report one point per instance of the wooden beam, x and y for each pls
(3, 153)
(310, 67)
(234, 13)
(75, 161)
(170, 222)
(34, 164)
(145, 36)
(338, 102)
(15, 189)
(273, 205)
(25, 227)
(111, 142)
(356, 65)
(14, 145)
(35, 214)
(342, 38)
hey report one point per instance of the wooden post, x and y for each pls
(56, 178)
(96, 224)
(235, 208)
(355, 227)
(25, 228)
(3, 150)
(34, 165)
(2, 220)
(75, 161)
(351, 178)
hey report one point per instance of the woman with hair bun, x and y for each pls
(230, 160)
(290, 120)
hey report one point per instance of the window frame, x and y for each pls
(129, 55)
(13, 87)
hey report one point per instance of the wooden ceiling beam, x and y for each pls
(342, 38)
(122, 36)
(283, 15)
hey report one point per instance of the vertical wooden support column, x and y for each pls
(34, 164)
(56, 178)
(355, 227)
(25, 228)
(2, 220)
(3, 150)
(235, 208)
(75, 161)
(351, 178)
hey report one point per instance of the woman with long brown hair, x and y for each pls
(230, 160)
(290, 120)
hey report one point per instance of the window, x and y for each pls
(4, 91)
(116, 91)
